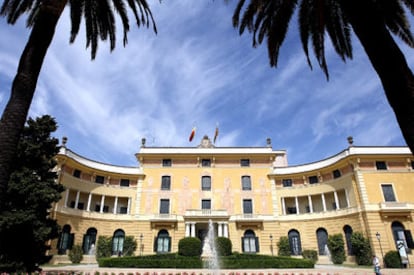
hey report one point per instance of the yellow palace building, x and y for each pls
(250, 194)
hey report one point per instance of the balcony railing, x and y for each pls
(163, 217)
(392, 206)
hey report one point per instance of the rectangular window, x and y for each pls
(381, 165)
(336, 173)
(124, 182)
(206, 183)
(388, 192)
(287, 182)
(245, 162)
(246, 183)
(166, 162)
(97, 207)
(123, 210)
(80, 205)
(313, 179)
(77, 173)
(206, 162)
(99, 179)
(247, 206)
(106, 209)
(165, 183)
(164, 206)
(205, 204)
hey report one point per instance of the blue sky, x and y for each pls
(197, 71)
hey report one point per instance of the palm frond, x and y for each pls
(144, 16)
(395, 19)
(13, 9)
(76, 13)
(339, 30)
(236, 14)
(120, 8)
(304, 31)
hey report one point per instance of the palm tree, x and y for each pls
(373, 22)
(43, 16)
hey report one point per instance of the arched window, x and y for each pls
(162, 243)
(348, 234)
(401, 235)
(118, 242)
(322, 236)
(65, 240)
(294, 242)
(89, 239)
(250, 243)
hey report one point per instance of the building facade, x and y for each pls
(250, 195)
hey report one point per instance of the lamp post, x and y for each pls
(140, 243)
(378, 235)
(271, 243)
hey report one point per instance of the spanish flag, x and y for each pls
(216, 134)
(192, 134)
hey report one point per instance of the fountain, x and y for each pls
(209, 254)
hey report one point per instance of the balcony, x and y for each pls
(396, 208)
(163, 218)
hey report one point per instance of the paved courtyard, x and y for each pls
(318, 270)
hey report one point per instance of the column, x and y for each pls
(88, 206)
(323, 202)
(226, 230)
(193, 229)
(336, 200)
(66, 197)
(220, 229)
(347, 198)
(115, 205)
(297, 205)
(283, 206)
(129, 206)
(187, 229)
(310, 204)
(77, 199)
(102, 203)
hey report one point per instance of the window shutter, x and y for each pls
(242, 243)
(59, 240)
(71, 238)
(155, 243)
(169, 244)
(409, 238)
(85, 245)
(256, 239)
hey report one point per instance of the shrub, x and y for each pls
(189, 246)
(336, 246)
(392, 259)
(130, 245)
(223, 246)
(310, 255)
(76, 254)
(104, 247)
(361, 248)
(283, 246)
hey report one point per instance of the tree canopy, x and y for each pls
(25, 224)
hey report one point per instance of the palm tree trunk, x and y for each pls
(388, 61)
(24, 84)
